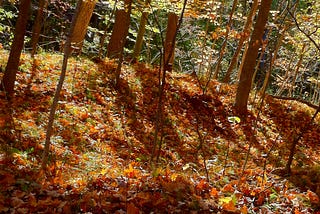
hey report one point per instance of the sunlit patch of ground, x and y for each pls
(210, 160)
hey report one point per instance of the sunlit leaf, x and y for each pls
(234, 119)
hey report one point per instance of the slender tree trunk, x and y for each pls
(10, 73)
(297, 69)
(243, 39)
(170, 41)
(244, 85)
(262, 54)
(224, 44)
(104, 35)
(296, 141)
(83, 18)
(273, 60)
(67, 52)
(162, 83)
(141, 31)
(120, 31)
(37, 26)
(286, 75)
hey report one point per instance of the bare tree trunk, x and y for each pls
(162, 81)
(297, 69)
(244, 85)
(243, 39)
(104, 35)
(67, 52)
(169, 43)
(83, 18)
(120, 31)
(10, 73)
(37, 26)
(273, 60)
(141, 31)
(224, 44)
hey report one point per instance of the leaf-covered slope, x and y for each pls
(99, 162)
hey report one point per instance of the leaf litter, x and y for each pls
(103, 137)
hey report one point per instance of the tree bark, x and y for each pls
(120, 31)
(245, 35)
(224, 44)
(67, 52)
(82, 21)
(244, 85)
(37, 26)
(10, 73)
(141, 31)
(169, 43)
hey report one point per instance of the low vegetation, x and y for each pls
(211, 160)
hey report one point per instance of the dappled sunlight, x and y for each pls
(210, 159)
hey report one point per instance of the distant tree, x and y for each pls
(247, 71)
(84, 14)
(224, 44)
(10, 73)
(141, 31)
(37, 26)
(120, 31)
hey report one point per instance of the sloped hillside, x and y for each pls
(210, 160)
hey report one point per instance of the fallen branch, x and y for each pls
(296, 99)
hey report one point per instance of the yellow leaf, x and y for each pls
(225, 200)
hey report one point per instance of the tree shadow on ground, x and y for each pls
(185, 113)
(289, 120)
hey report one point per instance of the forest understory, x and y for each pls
(210, 160)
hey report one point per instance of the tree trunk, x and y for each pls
(37, 26)
(169, 43)
(224, 44)
(105, 31)
(141, 31)
(82, 21)
(244, 86)
(303, 51)
(67, 52)
(120, 31)
(273, 60)
(243, 39)
(9, 77)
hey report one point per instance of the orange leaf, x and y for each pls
(227, 188)
(244, 209)
(214, 192)
(314, 199)
(230, 207)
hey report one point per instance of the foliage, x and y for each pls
(7, 19)
(103, 139)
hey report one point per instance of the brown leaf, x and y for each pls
(132, 209)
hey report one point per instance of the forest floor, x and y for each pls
(211, 160)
